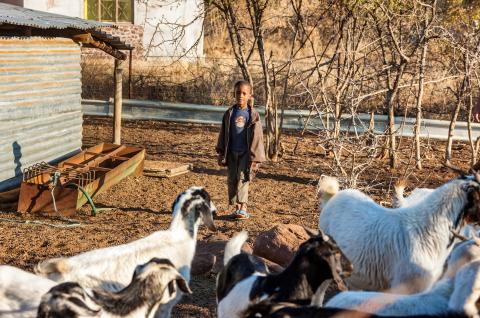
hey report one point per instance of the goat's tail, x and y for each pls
(398, 188)
(52, 266)
(327, 188)
(234, 246)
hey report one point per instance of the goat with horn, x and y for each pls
(404, 247)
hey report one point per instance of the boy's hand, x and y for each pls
(220, 161)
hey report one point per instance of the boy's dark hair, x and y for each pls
(242, 82)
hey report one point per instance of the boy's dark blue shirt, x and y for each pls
(238, 129)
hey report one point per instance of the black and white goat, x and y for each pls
(153, 285)
(244, 280)
(110, 268)
(402, 248)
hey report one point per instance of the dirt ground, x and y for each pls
(284, 192)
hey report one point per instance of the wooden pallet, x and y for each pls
(165, 169)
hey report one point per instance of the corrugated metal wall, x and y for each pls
(40, 103)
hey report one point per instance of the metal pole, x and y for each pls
(117, 112)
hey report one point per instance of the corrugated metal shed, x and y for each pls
(15, 15)
(44, 20)
(40, 86)
(40, 103)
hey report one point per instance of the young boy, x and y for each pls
(240, 147)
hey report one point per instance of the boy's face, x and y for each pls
(242, 95)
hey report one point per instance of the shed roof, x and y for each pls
(15, 15)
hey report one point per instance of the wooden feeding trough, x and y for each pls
(69, 185)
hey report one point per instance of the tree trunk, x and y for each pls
(389, 101)
(453, 121)
(418, 122)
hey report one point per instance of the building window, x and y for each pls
(109, 10)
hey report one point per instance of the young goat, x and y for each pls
(434, 301)
(403, 247)
(244, 280)
(110, 268)
(153, 284)
(417, 195)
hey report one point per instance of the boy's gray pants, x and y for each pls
(237, 177)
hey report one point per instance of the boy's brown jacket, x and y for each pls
(254, 136)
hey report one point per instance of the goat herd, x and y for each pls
(408, 261)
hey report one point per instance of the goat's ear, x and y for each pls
(80, 308)
(207, 216)
(183, 285)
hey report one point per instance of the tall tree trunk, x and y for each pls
(418, 122)
(389, 101)
(453, 121)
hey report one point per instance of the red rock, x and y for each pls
(280, 243)
(203, 263)
(215, 245)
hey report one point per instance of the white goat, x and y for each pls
(431, 302)
(417, 195)
(110, 268)
(153, 284)
(20, 292)
(403, 247)
(467, 290)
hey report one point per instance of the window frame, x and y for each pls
(99, 11)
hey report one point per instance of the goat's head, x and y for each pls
(158, 280)
(471, 186)
(195, 206)
(67, 300)
(320, 253)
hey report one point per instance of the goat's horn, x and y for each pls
(458, 235)
(455, 168)
(325, 237)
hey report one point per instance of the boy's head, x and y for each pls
(242, 93)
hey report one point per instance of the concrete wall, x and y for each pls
(72, 8)
(158, 19)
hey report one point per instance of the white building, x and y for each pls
(163, 28)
